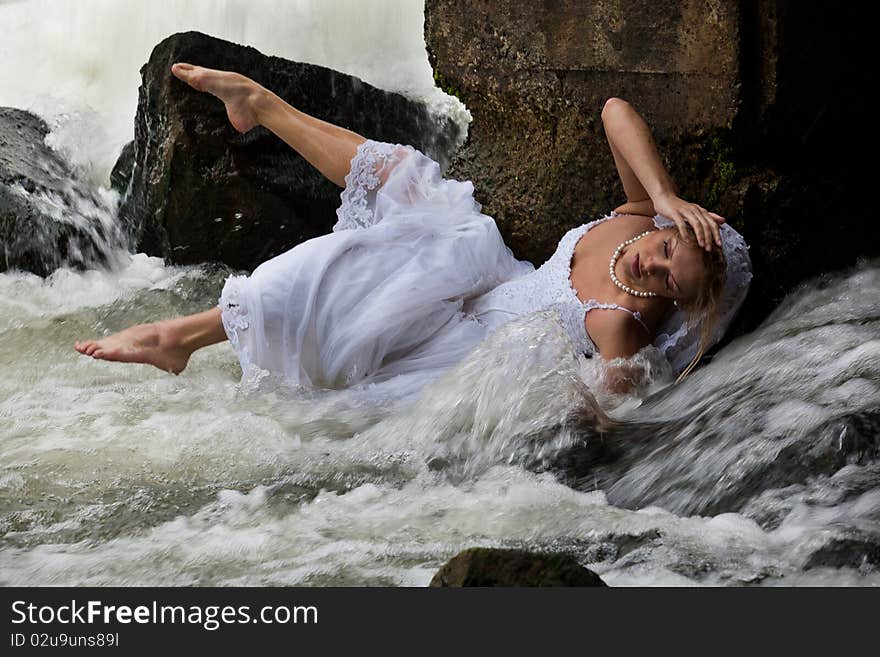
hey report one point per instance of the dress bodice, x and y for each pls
(548, 287)
(411, 279)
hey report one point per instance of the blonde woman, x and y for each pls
(413, 275)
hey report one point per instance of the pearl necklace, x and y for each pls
(615, 280)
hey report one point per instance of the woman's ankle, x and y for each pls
(263, 103)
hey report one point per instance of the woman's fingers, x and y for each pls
(699, 227)
(712, 230)
(705, 225)
(682, 227)
(716, 231)
(685, 219)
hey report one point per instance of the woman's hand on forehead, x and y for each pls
(682, 213)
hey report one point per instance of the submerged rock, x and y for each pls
(853, 550)
(47, 219)
(499, 567)
(200, 191)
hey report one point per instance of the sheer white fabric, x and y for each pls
(412, 277)
(381, 297)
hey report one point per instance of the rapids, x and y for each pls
(761, 468)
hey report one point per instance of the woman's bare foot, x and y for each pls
(240, 94)
(153, 344)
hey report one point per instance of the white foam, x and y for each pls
(24, 295)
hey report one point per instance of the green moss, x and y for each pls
(723, 169)
(440, 81)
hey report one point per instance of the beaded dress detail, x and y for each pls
(548, 287)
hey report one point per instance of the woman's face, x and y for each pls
(664, 263)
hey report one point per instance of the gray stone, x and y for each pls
(47, 218)
(847, 550)
(501, 567)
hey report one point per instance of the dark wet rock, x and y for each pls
(770, 508)
(691, 466)
(845, 491)
(47, 218)
(501, 567)
(200, 191)
(849, 550)
(626, 543)
(604, 546)
(747, 119)
(120, 176)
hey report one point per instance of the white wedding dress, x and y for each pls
(412, 277)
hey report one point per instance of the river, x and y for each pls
(760, 469)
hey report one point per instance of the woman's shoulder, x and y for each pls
(605, 234)
(615, 333)
(617, 224)
(633, 221)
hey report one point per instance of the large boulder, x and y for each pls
(750, 121)
(47, 218)
(196, 190)
(500, 567)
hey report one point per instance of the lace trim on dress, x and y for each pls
(234, 311)
(363, 178)
(590, 304)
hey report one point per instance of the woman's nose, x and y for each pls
(652, 266)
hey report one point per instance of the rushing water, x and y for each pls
(761, 468)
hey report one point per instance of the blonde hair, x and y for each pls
(704, 309)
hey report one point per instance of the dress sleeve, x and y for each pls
(383, 178)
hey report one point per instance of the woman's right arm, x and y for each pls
(648, 186)
(617, 337)
(638, 162)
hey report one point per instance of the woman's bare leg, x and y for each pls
(325, 146)
(167, 344)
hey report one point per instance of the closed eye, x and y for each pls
(666, 255)
(673, 285)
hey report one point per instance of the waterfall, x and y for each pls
(762, 467)
(76, 62)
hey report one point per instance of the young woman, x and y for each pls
(413, 276)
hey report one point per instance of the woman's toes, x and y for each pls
(182, 70)
(189, 74)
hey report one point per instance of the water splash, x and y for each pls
(83, 58)
(760, 469)
(132, 476)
